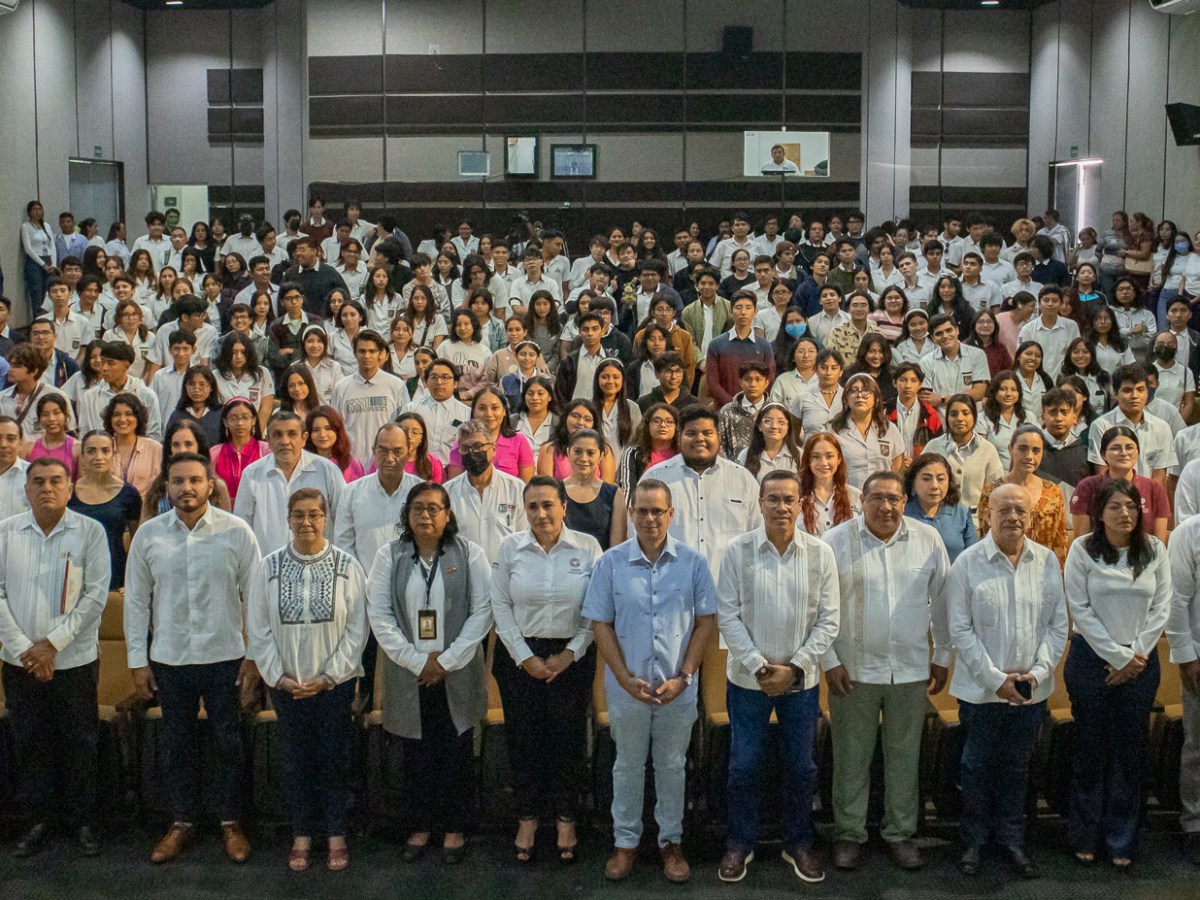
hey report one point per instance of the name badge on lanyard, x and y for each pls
(427, 624)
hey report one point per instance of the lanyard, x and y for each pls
(429, 574)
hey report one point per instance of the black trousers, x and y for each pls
(439, 767)
(55, 728)
(315, 734)
(180, 690)
(545, 729)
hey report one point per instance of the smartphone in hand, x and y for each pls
(1024, 688)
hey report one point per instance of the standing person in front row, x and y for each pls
(778, 612)
(539, 580)
(54, 572)
(652, 604)
(307, 625)
(891, 575)
(427, 601)
(1118, 583)
(1008, 622)
(1183, 631)
(187, 573)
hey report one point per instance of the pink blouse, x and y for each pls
(229, 463)
(512, 454)
(64, 454)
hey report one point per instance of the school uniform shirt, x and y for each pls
(775, 608)
(71, 333)
(167, 386)
(1117, 614)
(25, 411)
(325, 374)
(824, 511)
(908, 351)
(1015, 286)
(262, 495)
(1053, 339)
(893, 597)
(413, 654)
(1156, 443)
(13, 499)
(368, 517)
(1174, 382)
(536, 594)
(366, 406)
(537, 438)
(813, 412)
(251, 385)
(982, 295)
(783, 461)
(442, 419)
(789, 387)
(1187, 447)
(141, 348)
(488, 518)
(822, 324)
(522, 289)
(610, 425)
(306, 616)
(160, 250)
(187, 586)
(354, 278)
(1005, 619)
(866, 455)
(945, 376)
(999, 435)
(160, 346)
(998, 273)
(711, 507)
(35, 571)
(94, 400)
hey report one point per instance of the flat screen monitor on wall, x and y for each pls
(474, 164)
(795, 154)
(572, 160)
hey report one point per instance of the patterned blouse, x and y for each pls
(1049, 525)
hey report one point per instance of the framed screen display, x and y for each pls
(521, 156)
(572, 160)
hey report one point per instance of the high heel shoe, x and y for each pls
(526, 855)
(566, 852)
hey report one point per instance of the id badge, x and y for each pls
(427, 629)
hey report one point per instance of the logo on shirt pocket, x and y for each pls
(885, 447)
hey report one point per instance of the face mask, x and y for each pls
(1181, 247)
(475, 463)
(795, 330)
(1164, 352)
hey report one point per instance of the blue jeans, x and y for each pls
(180, 690)
(1112, 725)
(999, 743)
(639, 730)
(749, 719)
(315, 734)
(35, 284)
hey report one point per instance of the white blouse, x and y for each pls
(307, 616)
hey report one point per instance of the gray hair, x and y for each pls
(472, 427)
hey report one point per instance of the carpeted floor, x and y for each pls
(489, 872)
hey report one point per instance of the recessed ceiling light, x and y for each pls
(174, 2)
(989, 2)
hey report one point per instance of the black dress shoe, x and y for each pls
(89, 844)
(413, 852)
(452, 856)
(970, 861)
(33, 841)
(1022, 863)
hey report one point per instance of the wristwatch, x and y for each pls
(687, 677)
(797, 677)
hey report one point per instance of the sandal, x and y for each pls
(526, 855)
(298, 859)
(566, 852)
(1086, 858)
(339, 858)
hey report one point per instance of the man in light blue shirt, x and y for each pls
(652, 604)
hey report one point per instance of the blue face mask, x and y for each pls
(1181, 247)
(795, 330)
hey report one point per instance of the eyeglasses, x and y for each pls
(656, 514)
(383, 453)
(858, 392)
(433, 510)
(441, 377)
(885, 499)
(306, 517)
(476, 448)
(782, 502)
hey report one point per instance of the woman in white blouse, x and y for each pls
(972, 458)
(539, 582)
(37, 242)
(1118, 583)
(307, 626)
(825, 497)
(774, 443)
(427, 601)
(870, 443)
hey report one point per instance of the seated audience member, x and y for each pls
(369, 397)
(136, 458)
(826, 499)
(736, 419)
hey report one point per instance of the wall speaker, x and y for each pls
(737, 41)
(1185, 123)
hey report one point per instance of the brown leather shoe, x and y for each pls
(846, 854)
(172, 844)
(675, 867)
(620, 864)
(905, 854)
(733, 865)
(237, 845)
(806, 864)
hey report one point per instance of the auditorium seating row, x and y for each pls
(130, 770)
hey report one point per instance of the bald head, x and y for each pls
(1010, 510)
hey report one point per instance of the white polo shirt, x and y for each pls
(870, 454)
(1174, 382)
(441, 418)
(263, 493)
(1053, 339)
(946, 376)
